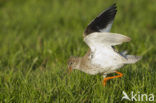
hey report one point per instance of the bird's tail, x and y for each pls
(131, 59)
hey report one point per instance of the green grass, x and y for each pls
(37, 38)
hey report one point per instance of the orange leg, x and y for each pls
(105, 79)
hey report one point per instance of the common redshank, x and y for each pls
(101, 57)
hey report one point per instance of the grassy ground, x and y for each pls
(37, 38)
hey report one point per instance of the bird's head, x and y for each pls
(73, 63)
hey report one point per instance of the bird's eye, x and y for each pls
(71, 63)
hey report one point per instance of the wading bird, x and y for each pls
(101, 57)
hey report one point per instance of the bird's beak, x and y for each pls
(69, 69)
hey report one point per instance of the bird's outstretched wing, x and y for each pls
(101, 48)
(103, 22)
(104, 39)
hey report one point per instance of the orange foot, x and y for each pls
(105, 79)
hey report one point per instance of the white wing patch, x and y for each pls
(104, 39)
(108, 28)
(106, 57)
(101, 46)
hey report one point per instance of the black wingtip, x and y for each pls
(114, 5)
(102, 20)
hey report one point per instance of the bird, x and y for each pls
(101, 57)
